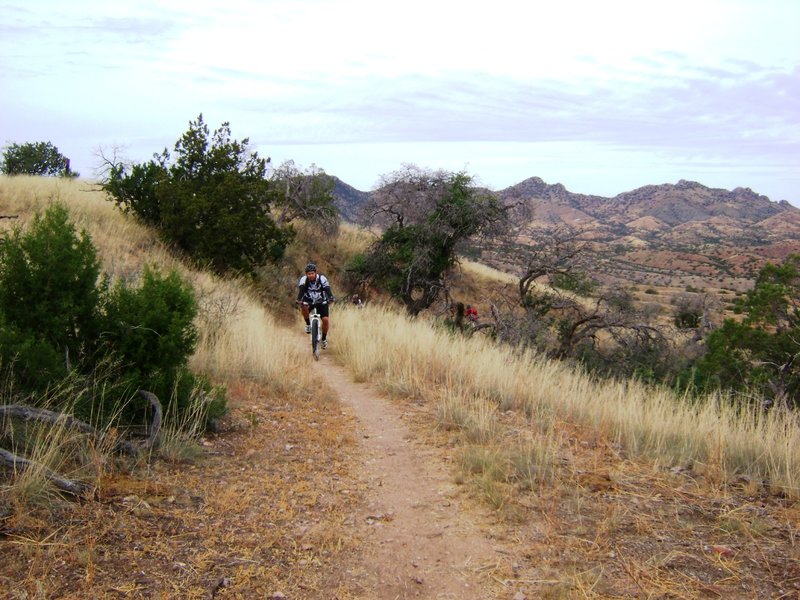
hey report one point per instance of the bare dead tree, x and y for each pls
(307, 195)
(403, 196)
(108, 159)
(554, 251)
(583, 323)
(559, 322)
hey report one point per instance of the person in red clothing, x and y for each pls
(471, 313)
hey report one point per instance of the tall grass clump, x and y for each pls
(384, 347)
(240, 339)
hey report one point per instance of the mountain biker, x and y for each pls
(314, 290)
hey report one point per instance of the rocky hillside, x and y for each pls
(348, 199)
(682, 235)
(672, 235)
(653, 209)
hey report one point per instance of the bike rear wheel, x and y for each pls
(315, 337)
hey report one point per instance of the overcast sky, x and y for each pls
(603, 97)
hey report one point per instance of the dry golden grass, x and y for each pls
(190, 523)
(485, 275)
(473, 380)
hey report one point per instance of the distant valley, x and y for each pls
(678, 236)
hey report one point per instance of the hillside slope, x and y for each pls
(450, 462)
(669, 235)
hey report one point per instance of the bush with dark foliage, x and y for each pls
(213, 200)
(35, 158)
(59, 319)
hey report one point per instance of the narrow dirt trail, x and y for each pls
(420, 540)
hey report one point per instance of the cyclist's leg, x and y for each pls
(323, 312)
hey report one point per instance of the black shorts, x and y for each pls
(322, 308)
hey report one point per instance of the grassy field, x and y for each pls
(614, 462)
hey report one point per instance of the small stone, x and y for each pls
(722, 550)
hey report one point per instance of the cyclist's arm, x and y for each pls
(301, 293)
(327, 291)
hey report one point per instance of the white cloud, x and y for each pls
(671, 88)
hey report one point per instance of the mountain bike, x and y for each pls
(316, 330)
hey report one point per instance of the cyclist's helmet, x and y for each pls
(311, 267)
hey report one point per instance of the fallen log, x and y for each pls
(70, 486)
(42, 415)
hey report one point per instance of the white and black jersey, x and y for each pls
(314, 292)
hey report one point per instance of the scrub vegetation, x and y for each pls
(600, 486)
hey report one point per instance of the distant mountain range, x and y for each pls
(348, 199)
(680, 235)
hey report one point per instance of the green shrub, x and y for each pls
(757, 354)
(59, 319)
(34, 362)
(136, 192)
(35, 158)
(213, 201)
(576, 282)
(49, 297)
(151, 331)
(151, 327)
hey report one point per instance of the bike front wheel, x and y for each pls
(315, 337)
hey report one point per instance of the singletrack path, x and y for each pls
(422, 538)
